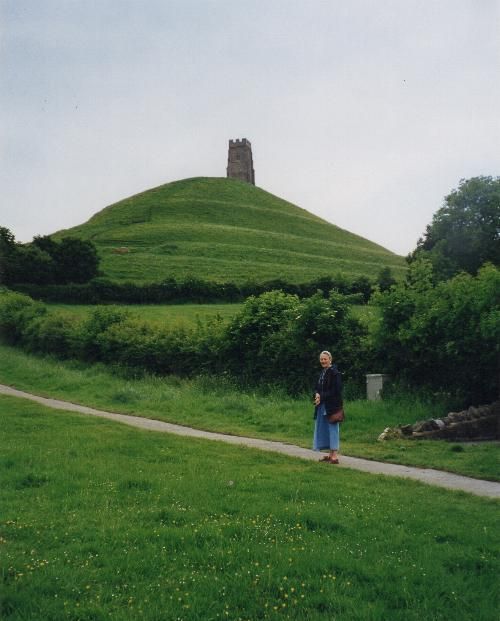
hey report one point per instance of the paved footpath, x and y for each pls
(429, 476)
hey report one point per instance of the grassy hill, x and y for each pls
(224, 230)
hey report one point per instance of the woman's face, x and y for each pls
(325, 361)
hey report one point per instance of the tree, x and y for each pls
(7, 237)
(45, 261)
(76, 260)
(46, 243)
(385, 279)
(7, 249)
(362, 285)
(443, 336)
(23, 263)
(465, 233)
(30, 264)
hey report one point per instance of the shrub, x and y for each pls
(445, 336)
(208, 344)
(126, 341)
(16, 312)
(250, 333)
(175, 352)
(277, 339)
(55, 333)
(89, 343)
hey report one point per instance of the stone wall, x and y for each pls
(475, 423)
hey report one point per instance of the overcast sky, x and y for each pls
(366, 113)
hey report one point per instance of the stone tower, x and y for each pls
(239, 160)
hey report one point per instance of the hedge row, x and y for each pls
(441, 337)
(101, 291)
(275, 339)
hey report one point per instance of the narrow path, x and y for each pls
(429, 476)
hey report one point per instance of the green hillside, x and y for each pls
(224, 230)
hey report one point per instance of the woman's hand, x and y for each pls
(317, 399)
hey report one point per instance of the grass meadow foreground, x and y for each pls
(217, 405)
(100, 521)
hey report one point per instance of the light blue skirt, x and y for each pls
(326, 436)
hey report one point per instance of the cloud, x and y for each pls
(365, 113)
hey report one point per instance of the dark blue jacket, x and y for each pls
(329, 387)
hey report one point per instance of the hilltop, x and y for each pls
(224, 230)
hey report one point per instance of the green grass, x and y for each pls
(176, 315)
(171, 315)
(100, 521)
(225, 230)
(216, 405)
(368, 314)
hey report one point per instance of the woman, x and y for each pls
(327, 399)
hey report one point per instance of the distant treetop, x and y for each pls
(465, 232)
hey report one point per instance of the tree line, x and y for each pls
(45, 261)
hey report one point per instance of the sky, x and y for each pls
(366, 113)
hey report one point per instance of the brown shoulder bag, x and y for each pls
(336, 417)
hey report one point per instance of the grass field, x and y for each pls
(225, 230)
(368, 314)
(99, 521)
(215, 405)
(171, 315)
(175, 315)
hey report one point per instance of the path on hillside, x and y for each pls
(429, 476)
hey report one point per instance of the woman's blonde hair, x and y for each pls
(327, 353)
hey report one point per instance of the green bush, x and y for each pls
(52, 332)
(127, 342)
(445, 336)
(89, 345)
(16, 312)
(277, 338)
(176, 352)
(250, 333)
(274, 340)
(208, 343)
